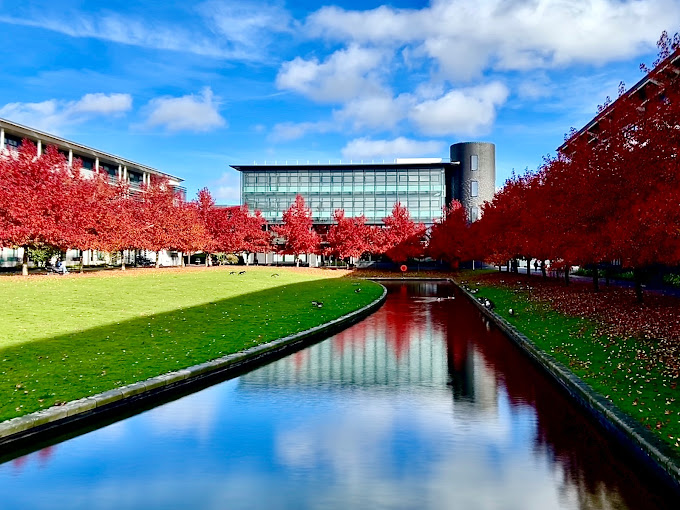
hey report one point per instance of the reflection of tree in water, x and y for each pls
(592, 463)
(43, 457)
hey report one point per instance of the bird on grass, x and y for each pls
(232, 272)
(242, 272)
(275, 275)
(318, 304)
(511, 312)
(357, 290)
(488, 304)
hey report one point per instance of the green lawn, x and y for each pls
(63, 338)
(618, 368)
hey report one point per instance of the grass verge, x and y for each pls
(64, 338)
(623, 369)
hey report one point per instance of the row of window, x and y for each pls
(135, 176)
(356, 188)
(333, 204)
(375, 216)
(341, 177)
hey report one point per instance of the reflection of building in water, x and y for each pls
(393, 349)
(364, 356)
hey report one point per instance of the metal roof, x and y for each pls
(84, 150)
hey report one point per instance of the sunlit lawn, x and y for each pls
(66, 337)
(631, 372)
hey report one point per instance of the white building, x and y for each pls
(118, 168)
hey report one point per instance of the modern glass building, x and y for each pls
(423, 185)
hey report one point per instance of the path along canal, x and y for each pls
(422, 405)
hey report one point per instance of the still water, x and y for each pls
(421, 405)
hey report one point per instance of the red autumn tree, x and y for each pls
(160, 225)
(449, 238)
(349, 237)
(122, 225)
(33, 199)
(209, 216)
(256, 239)
(90, 198)
(193, 235)
(402, 238)
(297, 231)
(235, 230)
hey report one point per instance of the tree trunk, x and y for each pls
(297, 261)
(528, 266)
(24, 262)
(500, 268)
(122, 260)
(543, 271)
(596, 279)
(184, 264)
(207, 257)
(637, 276)
(247, 258)
(566, 274)
(82, 261)
(158, 259)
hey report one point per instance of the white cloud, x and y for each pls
(465, 37)
(227, 189)
(432, 110)
(53, 115)
(186, 113)
(119, 29)
(376, 111)
(246, 25)
(223, 31)
(365, 148)
(104, 104)
(467, 111)
(287, 131)
(344, 75)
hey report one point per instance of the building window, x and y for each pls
(474, 162)
(474, 188)
(12, 142)
(474, 214)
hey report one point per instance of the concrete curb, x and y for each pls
(637, 438)
(56, 417)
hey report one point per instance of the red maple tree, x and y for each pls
(33, 199)
(296, 231)
(349, 237)
(160, 222)
(401, 238)
(448, 239)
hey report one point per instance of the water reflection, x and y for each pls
(422, 405)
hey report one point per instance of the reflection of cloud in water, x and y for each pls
(358, 449)
(195, 414)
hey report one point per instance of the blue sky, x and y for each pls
(192, 87)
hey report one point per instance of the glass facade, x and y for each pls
(357, 190)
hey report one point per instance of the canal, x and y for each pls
(422, 405)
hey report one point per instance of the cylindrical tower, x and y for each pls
(477, 174)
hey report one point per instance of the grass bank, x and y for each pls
(636, 372)
(64, 338)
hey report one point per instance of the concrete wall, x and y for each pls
(485, 175)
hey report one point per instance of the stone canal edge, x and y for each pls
(640, 441)
(51, 420)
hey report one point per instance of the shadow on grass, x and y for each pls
(38, 374)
